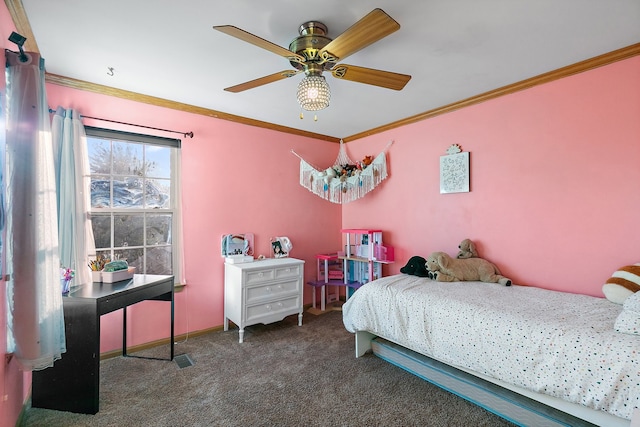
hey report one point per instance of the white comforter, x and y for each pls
(550, 342)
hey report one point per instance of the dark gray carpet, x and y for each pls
(282, 375)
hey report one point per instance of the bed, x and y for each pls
(530, 355)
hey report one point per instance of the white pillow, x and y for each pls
(628, 322)
(632, 303)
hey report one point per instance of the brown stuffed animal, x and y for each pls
(467, 250)
(444, 268)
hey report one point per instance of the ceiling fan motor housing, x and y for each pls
(309, 44)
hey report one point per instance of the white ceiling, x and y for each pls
(453, 49)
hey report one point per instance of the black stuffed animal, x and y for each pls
(416, 266)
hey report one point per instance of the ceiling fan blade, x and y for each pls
(370, 76)
(373, 27)
(260, 42)
(262, 81)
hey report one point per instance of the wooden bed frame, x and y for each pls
(515, 404)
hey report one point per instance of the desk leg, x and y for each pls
(172, 322)
(172, 337)
(124, 331)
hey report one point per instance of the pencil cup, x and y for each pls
(96, 276)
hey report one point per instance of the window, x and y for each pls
(134, 194)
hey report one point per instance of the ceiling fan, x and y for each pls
(314, 52)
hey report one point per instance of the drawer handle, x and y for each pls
(268, 307)
(279, 304)
(288, 270)
(268, 289)
(260, 274)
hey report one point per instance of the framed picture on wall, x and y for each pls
(454, 173)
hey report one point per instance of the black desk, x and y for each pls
(73, 383)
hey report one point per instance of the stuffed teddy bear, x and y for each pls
(367, 161)
(327, 175)
(445, 268)
(416, 266)
(467, 250)
(622, 283)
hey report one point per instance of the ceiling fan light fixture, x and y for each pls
(314, 93)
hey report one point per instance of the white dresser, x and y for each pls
(263, 291)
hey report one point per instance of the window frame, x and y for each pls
(174, 193)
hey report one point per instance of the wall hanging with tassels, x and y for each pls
(346, 180)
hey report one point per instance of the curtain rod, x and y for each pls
(185, 134)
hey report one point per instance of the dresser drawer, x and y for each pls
(259, 276)
(272, 291)
(268, 274)
(272, 311)
(289, 271)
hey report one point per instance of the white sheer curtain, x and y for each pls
(35, 317)
(178, 246)
(75, 234)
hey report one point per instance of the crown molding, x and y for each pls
(579, 67)
(160, 102)
(18, 14)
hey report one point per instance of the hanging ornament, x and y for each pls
(344, 188)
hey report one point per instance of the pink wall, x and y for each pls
(554, 182)
(236, 179)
